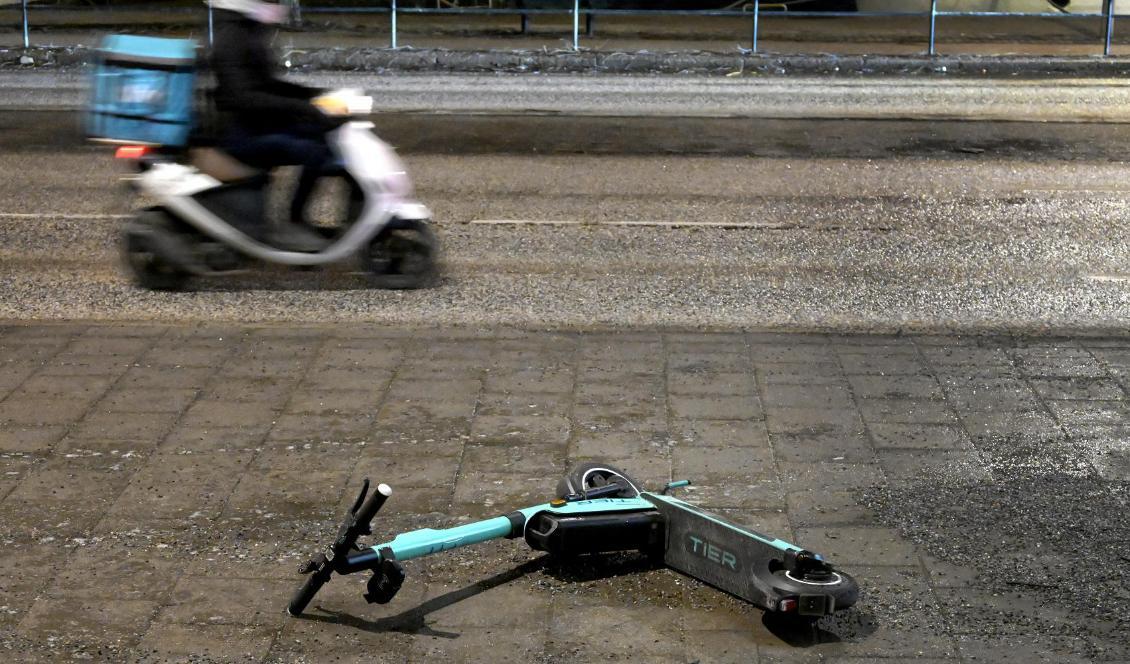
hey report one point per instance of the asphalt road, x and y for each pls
(740, 95)
(941, 240)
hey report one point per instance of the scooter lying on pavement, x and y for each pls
(210, 218)
(600, 509)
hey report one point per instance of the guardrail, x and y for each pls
(754, 15)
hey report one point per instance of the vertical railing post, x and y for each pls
(1109, 33)
(392, 26)
(933, 25)
(756, 20)
(211, 36)
(27, 35)
(576, 25)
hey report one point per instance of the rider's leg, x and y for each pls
(269, 150)
(316, 156)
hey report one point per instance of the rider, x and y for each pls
(272, 122)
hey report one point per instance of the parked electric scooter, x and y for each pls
(209, 216)
(600, 509)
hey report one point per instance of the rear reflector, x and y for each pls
(131, 152)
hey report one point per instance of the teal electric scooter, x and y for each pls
(599, 509)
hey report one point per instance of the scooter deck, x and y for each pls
(725, 555)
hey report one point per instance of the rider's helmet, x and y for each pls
(262, 11)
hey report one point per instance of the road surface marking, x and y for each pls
(628, 222)
(61, 215)
(1109, 278)
(485, 222)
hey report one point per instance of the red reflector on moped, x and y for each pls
(788, 605)
(130, 152)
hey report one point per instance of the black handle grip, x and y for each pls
(306, 593)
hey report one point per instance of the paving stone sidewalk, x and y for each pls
(160, 484)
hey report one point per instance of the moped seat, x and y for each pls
(221, 165)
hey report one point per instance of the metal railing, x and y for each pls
(755, 15)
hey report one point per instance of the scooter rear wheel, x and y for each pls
(143, 256)
(402, 256)
(839, 586)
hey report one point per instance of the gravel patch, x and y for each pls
(1045, 535)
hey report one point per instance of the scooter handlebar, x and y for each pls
(356, 524)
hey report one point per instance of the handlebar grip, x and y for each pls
(373, 504)
(306, 593)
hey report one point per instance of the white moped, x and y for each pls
(209, 216)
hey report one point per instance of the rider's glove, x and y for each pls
(331, 105)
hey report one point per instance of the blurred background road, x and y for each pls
(865, 205)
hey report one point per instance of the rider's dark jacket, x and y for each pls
(248, 89)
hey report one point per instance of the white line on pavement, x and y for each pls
(629, 222)
(1110, 278)
(485, 222)
(61, 215)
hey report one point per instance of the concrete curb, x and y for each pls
(645, 62)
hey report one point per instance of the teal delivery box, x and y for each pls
(143, 91)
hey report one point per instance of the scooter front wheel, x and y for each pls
(143, 249)
(402, 256)
(593, 475)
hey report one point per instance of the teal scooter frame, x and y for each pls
(599, 509)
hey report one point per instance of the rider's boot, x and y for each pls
(297, 237)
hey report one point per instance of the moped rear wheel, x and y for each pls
(402, 256)
(144, 256)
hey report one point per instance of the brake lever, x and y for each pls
(360, 498)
